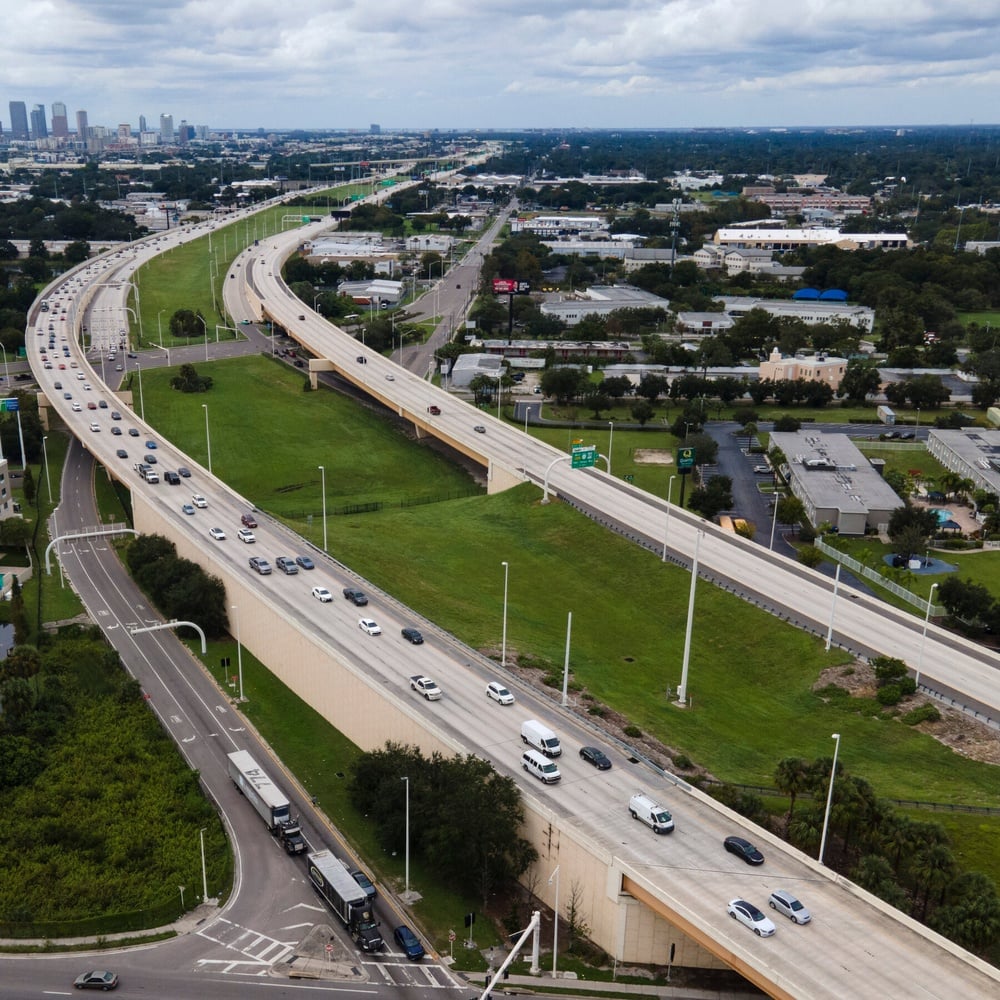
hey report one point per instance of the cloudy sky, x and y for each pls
(505, 63)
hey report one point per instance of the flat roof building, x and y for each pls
(814, 368)
(972, 453)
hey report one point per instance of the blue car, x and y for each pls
(305, 562)
(407, 940)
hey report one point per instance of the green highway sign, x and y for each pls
(9, 404)
(584, 456)
(685, 459)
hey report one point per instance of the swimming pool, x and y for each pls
(941, 514)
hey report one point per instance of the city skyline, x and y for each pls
(505, 64)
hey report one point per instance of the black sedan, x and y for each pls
(408, 941)
(413, 635)
(96, 980)
(744, 849)
(597, 757)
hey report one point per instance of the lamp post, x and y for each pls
(6, 370)
(159, 327)
(503, 644)
(406, 869)
(208, 439)
(611, 441)
(833, 608)
(322, 474)
(555, 922)
(204, 871)
(774, 523)
(239, 652)
(923, 638)
(142, 409)
(201, 319)
(829, 796)
(45, 456)
(666, 528)
(682, 689)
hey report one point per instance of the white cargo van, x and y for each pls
(644, 809)
(534, 734)
(541, 767)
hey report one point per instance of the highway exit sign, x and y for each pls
(584, 457)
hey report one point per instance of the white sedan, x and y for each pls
(218, 534)
(322, 594)
(369, 625)
(198, 500)
(748, 915)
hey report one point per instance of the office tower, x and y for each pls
(142, 124)
(82, 129)
(18, 120)
(124, 133)
(167, 129)
(60, 123)
(374, 129)
(39, 128)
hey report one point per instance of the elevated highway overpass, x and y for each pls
(641, 893)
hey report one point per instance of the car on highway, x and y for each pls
(99, 979)
(434, 411)
(322, 595)
(151, 459)
(184, 472)
(304, 562)
(217, 533)
(198, 500)
(151, 445)
(390, 378)
(479, 429)
(412, 635)
(369, 625)
(132, 432)
(784, 902)
(407, 940)
(248, 521)
(748, 915)
(95, 426)
(121, 453)
(426, 687)
(115, 415)
(67, 395)
(355, 596)
(187, 508)
(287, 565)
(57, 385)
(117, 431)
(743, 849)
(77, 407)
(92, 406)
(102, 404)
(498, 693)
(246, 535)
(260, 565)
(597, 757)
(365, 883)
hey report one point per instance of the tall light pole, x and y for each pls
(503, 645)
(201, 319)
(611, 441)
(239, 652)
(555, 922)
(142, 409)
(45, 456)
(829, 797)
(406, 877)
(666, 527)
(208, 438)
(159, 327)
(204, 871)
(322, 474)
(923, 638)
(682, 689)
(833, 608)
(774, 523)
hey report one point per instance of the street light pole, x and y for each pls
(322, 474)
(406, 878)
(555, 922)
(204, 871)
(682, 689)
(666, 528)
(829, 797)
(774, 523)
(923, 638)
(208, 439)
(45, 456)
(159, 327)
(503, 646)
(239, 652)
(142, 409)
(833, 608)
(611, 441)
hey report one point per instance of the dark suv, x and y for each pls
(248, 521)
(355, 596)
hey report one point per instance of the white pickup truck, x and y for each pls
(426, 687)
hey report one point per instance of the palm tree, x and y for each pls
(875, 874)
(791, 777)
(933, 871)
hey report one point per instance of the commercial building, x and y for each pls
(39, 127)
(812, 368)
(18, 120)
(807, 310)
(972, 453)
(602, 300)
(60, 122)
(467, 366)
(782, 240)
(835, 482)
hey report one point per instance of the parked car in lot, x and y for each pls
(743, 849)
(784, 902)
(413, 635)
(407, 940)
(99, 979)
(748, 915)
(322, 594)
(369, 625)
(355, 596)
(498, 693)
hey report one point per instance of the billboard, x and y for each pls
(510, 286)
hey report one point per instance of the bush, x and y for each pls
(889, 695)
(683, 762)
(633, 731)
(922, 713)
(807, 533)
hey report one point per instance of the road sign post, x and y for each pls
(685, 463)
(584, 456)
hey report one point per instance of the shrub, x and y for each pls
(889, 695)
(599, 710)
(683, 762)
(633, 731)
(922, 713)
